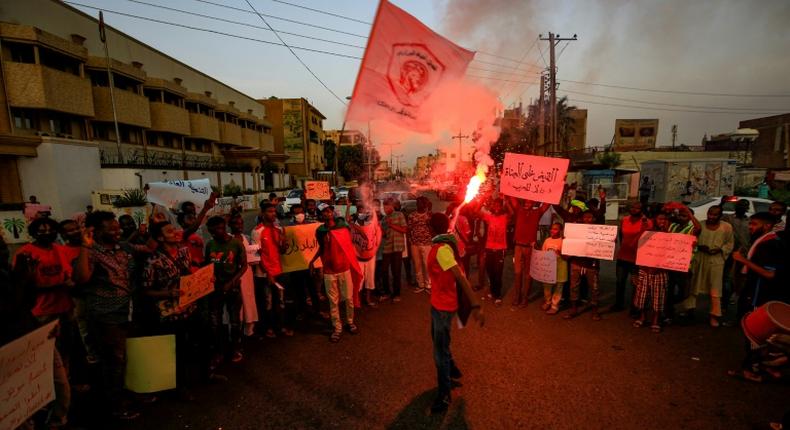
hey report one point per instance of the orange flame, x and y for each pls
(474, 185)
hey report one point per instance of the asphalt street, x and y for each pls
(523, 369)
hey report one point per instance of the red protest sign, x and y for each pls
(317, 190)
(534, 178)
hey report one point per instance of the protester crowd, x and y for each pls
(106, 279)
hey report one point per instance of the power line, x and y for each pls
(483, 69)
(693, 93)
(542, 57)
(667, 109)
(667, 104)
(504, 66)
(143, 18)
(523, 57)
(324, 12)
(283, 19)
(215, 18)
(497, 79)
(296, 55)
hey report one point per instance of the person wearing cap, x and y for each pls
(342, 274)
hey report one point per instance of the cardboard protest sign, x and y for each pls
(26, 378)
(171, 194)
(671, 251)
(318, 190)
(196, 285)
(253, 253)
(151, 363)
(543, 266)
(13, 227)
(534, 178)
(302, 247)
(33, 209)
(590, 240)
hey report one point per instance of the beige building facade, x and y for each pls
(298, 133)
(58, 137)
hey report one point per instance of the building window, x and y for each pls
(60, 125)
(19, 52)
(101, 131)
(57, 61)
(23, 119)
(778, 139)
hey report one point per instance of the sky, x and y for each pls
(704, 46)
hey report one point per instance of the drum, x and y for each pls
(768, 319)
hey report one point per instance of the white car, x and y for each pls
(294, 197)
(700, 208)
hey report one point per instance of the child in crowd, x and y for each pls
(552, 293)
(651, 284)
(585, 268)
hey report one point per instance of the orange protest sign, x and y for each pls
(317, 190)
(541, 179)
(196, 285)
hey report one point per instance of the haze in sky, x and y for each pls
(710, 46)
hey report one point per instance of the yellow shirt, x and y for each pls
(551, 244)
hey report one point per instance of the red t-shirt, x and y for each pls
(51, 273)
(527, 220)
(334, 257)
(496, 231)
(630, 232)
(444, 295)
(270, 251)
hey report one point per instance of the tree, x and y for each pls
(565, 123)
(329, 153)
(15, 226)
(352, 162)
(609, 159)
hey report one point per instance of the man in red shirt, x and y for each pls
(272, 241)
(340, 265)
(631, 229)
(446, 278)
(528, 215)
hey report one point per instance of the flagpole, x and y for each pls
(111, 81)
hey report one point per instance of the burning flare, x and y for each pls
(474, 184)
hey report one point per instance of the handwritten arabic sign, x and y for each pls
(543, 266)
(26, 376)
(171, 194)
(302, 247)
(196, 285)
(590, 240)
(318, 190)
(535, 178)
(671, 251)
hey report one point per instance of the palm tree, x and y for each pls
(565, 123)
(15, 226)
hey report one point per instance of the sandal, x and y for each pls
(655, 328)
(335, 337)
(638, 324)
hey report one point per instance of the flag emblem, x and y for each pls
(413, 73)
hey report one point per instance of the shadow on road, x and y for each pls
(417, 414)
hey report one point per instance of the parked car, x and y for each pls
(408, 200)
(700, 208)
(294, 197)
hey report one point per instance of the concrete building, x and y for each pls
(298, 131)
(772, 147)
(513, 118)
(58, 139)
(578, 138)
(349, 138)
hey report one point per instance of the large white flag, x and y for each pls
(404, 63)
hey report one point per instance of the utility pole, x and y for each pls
(553, 40)
(390, 145)
(111, 84)
(460, 138)
(674, 135)
(542, 116)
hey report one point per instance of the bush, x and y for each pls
(131, 198)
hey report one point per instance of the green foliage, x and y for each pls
(609, 159)
(352, 159)
(329, 153)
(231, 189)
(782, 195)
(131, 198)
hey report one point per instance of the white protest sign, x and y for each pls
(26, 376)
(671, 251)
(531, 177)
(253, 253)
(590, 240)
(543, 266)
(171, 194)
(196, 285)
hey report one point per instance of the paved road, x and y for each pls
(524, 369)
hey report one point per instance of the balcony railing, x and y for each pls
(167, 160)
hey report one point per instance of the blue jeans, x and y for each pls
(440, 333)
